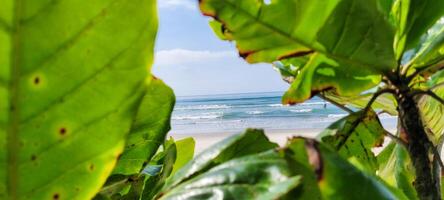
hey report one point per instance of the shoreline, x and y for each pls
(206, 140)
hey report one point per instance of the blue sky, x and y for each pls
(193, 61)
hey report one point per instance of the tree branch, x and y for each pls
(429, 93)
(375, 97)
(437, 86)
(335, 103)
(395, 138)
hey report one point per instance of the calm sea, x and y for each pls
(235, 112)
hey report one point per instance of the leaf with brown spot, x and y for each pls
(354, 136)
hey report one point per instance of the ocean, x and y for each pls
(236, 112)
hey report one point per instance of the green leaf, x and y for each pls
(395, 167)
(298, 159)
(148, 130)
(337, 178)
(354, 136)
(185, 153)
(260, 176)
(291, 70)
(432, 111)
(147, 183)
(414, 18)
(350, 31)
(70, 88)
(385, 102)
(320, 73)
(250, 142)
(431, 54)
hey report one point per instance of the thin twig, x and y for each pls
(437, 86)
(418, 71)
(438, 156)
(375, 97)
(429, 93)
(395, 138)
(355, 124)
(335, 103)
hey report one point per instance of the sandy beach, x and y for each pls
(204, 141)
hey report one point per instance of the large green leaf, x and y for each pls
(319, 73)
(185, 153)
(414, 18)
(292, 69)
(432, 111)
(250, 142)
(70, 88)
(431, 54)
(395, 167)
(354, 32)
(148, 130)
(385, 102)
(354, 136)
(260, 176)
(335, 177)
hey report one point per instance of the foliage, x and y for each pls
(70, 91)
(367, 57)
(82, 117)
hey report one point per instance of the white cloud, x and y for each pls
(188, 4)
(184, 56)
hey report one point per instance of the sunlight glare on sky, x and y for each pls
(193, 61)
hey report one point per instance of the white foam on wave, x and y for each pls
(256, 112)
(203, 107)
(314, 103)
(277, 105)
(336, 115)
(302, 111)
(213, 115)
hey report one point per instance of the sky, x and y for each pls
(193, 61)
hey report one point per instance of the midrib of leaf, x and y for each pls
(13, 145)
(296, 40)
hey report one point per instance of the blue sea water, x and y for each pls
(236, 112)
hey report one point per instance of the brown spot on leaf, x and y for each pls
(63, 131)
(56, 196)
(33, 157)
(91, 167)
(36, 80)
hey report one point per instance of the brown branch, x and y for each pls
(429, 93)
(355, 124)
(335, 103)
(395, 138)
(375, 97)
(437, 86)
(437, 156)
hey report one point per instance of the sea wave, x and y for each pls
(336, 115)
(214, 115)
(314, 103)
(255, 112)
(203, 107)
(302, 111)
(277, 105)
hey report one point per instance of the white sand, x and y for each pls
(204, 141)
